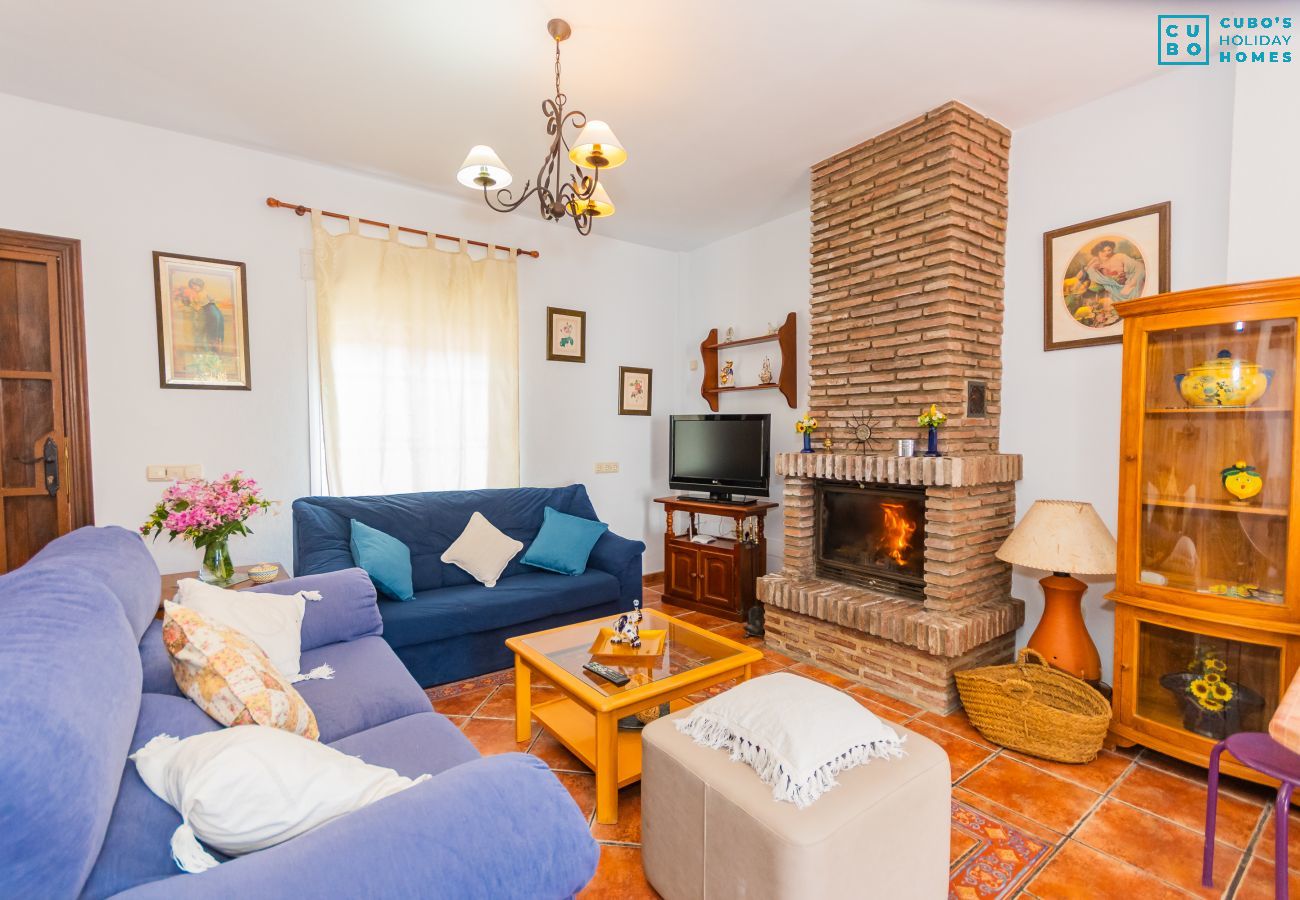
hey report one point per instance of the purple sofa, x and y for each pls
(86, 680)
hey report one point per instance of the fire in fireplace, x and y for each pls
(873, 535)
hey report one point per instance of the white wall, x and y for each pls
(126, 190)
(745, 282)
(1165, 139)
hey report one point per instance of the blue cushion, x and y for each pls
(564, 543)
(471, 608)
(422, 744)
(386, 560)
(370, 686)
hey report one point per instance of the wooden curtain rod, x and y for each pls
(303, 210)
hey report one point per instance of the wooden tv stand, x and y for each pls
(716, 578)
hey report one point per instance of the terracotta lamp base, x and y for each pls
(1061, 636)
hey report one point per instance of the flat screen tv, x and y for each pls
(722, 455)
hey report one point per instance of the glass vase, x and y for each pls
(217, 567)
(807, 442)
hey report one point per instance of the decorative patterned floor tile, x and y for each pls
(1001, 860)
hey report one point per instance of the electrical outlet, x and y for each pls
(606, 468)
(175, 473)
(156, 473)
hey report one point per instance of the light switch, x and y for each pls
(194, 470)
(156, 473)
(175, 473)
(606, 468)
(695, 364)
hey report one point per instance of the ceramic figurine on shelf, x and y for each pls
(1242, 482)
(772, 329)
(727, 377)
(765, 373)
(730, 336)
(826, 443)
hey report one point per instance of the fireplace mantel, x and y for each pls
(946, 471)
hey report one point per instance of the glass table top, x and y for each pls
(684, 648)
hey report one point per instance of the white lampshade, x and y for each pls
(598, 205)
(597, 147)
(483, 168)
(1061, 536)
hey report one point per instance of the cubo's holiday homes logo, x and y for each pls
(1186, 40)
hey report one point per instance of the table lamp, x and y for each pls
(1063, 537)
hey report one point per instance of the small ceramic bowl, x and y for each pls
(263, 573)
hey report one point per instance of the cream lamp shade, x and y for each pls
(598, 205)
(597, 147)
(1061, 536)
(482, 168)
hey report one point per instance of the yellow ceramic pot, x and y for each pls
(1242, 481)
(1224, 381)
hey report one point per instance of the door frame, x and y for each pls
(72, 333)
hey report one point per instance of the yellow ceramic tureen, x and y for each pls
(1224, 381)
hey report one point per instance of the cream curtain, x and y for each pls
(419, 365)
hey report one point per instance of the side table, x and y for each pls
(170, 581)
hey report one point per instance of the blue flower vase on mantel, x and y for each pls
(932, 448)
(807, 442)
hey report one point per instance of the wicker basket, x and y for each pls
(1035, 709)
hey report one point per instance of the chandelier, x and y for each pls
(579, 197)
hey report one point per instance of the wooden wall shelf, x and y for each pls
(785, 380)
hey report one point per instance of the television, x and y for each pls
(722, 455)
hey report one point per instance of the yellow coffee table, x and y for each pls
(585, 718)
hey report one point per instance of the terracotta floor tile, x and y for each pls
(1183, 801)
(808, 670)
(619, 876)
(458, 721)
(1097, 775)
(495, 736)
(1057, 803)
(1236, 787)
(501, 704)
(556, 755)
(1257, 883)
(958, 724)
(764, 667)
(777, 657)
(861, 690)
(1267, 842)
(882, 711)
(1168, 851)
(669, 610)
(582, 788)
(734, 631)
(1078, 872)
(463, 704)
(959, 844)
(704, 620)
(628, 828)
(962, 754)
(992, 808)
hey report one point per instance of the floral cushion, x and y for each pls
(229, 676)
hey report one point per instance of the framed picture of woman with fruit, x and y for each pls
(1090, 267)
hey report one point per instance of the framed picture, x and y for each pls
(1090, 267)
(566, 335)
(202, 322)
(634, 391)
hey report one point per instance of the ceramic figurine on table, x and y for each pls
(727, 377)
(1242, 481)
(765, 373)
(627, 630)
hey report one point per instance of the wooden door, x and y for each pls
(44, 437)
(717, 580)
(681, 572)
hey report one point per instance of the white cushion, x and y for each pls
(482, 550)
(272, 621)
(796, 733)
(251, 787)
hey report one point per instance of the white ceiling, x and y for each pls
(722, 104)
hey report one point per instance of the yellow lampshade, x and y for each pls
(1061, 536)
(598, 205)
(483, 168)
(597, 147)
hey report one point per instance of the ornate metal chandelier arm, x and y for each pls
(505, 200)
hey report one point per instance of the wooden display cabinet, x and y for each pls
(1208, 583)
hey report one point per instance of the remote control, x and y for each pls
(607, 673)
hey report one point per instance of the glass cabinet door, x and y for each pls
(1203, 684)
(1215, 481)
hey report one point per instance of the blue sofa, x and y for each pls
(86, 681)
(455, 627)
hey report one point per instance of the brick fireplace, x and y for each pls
(907, 255)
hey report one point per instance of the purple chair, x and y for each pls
(1263, 754)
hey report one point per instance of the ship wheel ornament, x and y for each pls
(863, 429)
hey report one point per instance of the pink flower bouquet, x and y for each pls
(208, 513)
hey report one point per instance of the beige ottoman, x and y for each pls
(710, 829)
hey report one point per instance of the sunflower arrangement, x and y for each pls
(932, 417)
(1209, 686)
(806, 425)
